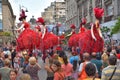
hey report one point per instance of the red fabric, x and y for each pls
(41, 20)
(118, 55)
(70, 41)
(49, 40)
(98, 13)
(28, 39)
(88, 44)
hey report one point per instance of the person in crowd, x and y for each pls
(82, 74)
(61, 55)
(33, 68)
(90, 70)
(13, 74)
(4, 71)
(67, 67)
(1, 59)
(111, 72)
(74, 57)
(16, 62)
(48, 68)
(25, 77)
(105, 59)
(98, 63)
(58, 72)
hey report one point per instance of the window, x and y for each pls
(1, 16)
(109, 10)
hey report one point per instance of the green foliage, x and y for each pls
(105, 29)
(116, 28)
(6, 33)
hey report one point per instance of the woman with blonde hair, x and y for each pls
(33, 68)
(25, 77)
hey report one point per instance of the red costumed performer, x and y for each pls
(27, 38)
(91, 40)
(71, 42)
(48, 39)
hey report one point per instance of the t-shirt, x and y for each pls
(33, 71)
(72, 58)
(67, 69)
(59, 76)
(98, 64)
(4, 71)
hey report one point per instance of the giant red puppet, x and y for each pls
(91, 40)
(27, 40)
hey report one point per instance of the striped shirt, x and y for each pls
(107, 72)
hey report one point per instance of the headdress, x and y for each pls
(41, 20)
(98, 13)
(83, 21)
(22, 15)
(72, 26)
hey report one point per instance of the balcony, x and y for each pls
(108, 18)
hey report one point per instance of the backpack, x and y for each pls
(83, 74)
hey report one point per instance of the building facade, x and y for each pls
(48, 14)
(55, 13)
(60, 14)
(71, 13)
(111, 9)
(7, 21)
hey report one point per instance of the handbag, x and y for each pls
(112, 73)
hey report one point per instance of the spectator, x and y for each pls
(61, 55)
(82, 73)
(98, 63)
(25, 77)
(108, 71)
(74, 57)
(90, 71)
(48, 68)
(67, 67)
(13, 74)
(4, 71)
(105, 59)
(59, 73)
(1, 60)
(33, 68)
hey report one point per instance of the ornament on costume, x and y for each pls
(22, 15)
(38, 27)
(98, 12)
(41, 20)
(72, 26)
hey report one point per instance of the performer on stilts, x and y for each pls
(27, 38)
(48, 39)
(91, 40)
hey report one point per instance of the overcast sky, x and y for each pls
(35, 7)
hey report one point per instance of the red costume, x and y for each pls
(48, 39)
(71, 39)
(91, 40)
(28, 38)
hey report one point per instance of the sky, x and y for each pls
(34, 7)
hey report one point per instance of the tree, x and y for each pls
(116, 28)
